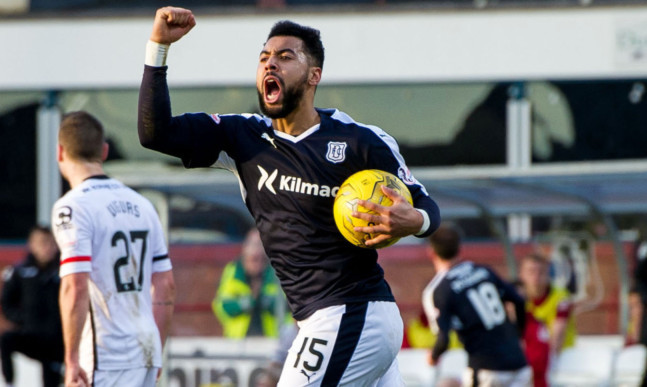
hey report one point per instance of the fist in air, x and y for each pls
(171, 23)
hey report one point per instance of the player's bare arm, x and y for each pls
(74, 301)
(171, 24)
(398, 220)
(163, 294)
(440, 347)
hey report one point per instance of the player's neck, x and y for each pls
(443, 264)
(297, 122)
(77, 172)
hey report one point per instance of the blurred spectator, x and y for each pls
(30, 302)
(536, 339)
(246, 299)
(549, 305)
(635, 318)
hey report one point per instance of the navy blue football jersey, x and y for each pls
(469, 298)
(289, 185)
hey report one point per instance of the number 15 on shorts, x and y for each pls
(310, 357)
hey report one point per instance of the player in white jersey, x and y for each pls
(117, 288)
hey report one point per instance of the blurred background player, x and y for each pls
(548, 304)
(536, 340)
(248, 298)
(30, 303)
(117, 289)
(469, 298)
(290, 162)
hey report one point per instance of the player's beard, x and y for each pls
(291, 99)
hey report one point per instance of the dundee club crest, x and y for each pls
(336, 152)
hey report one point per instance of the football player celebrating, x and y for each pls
(290, 163)
(117, 288)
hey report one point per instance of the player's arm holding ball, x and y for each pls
(398, 220)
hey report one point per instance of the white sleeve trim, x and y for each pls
(156, 54)
(425, 221)
(74, 267)
(162, 265)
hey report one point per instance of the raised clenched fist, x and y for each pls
(171, 23)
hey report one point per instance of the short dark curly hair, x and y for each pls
(310, 37)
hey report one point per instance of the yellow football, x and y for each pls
(364, 185)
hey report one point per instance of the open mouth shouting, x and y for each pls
(272, 88)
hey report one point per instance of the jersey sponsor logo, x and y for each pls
(405, 175)
(293, 184)
(267, 179)
(63, 217)
(336, 152)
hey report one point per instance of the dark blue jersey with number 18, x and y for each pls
(289, 185)
(469, 299)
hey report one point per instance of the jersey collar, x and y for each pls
(101, 177)
(298, 138)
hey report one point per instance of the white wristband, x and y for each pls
(425, 221)
(156, 54)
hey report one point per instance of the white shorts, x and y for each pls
(140, 377)
(346, 345)
(489, 378)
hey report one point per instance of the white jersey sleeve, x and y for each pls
(73, 232)
(161, 260)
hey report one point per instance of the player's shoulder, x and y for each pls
(438, 285)
(137, 198)
(366, 134)
(466, 267)
(487, 269)
(461, 269)
(251, 119)
(342, 119)
(72, 201)
(70, 197)
(467, 274)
